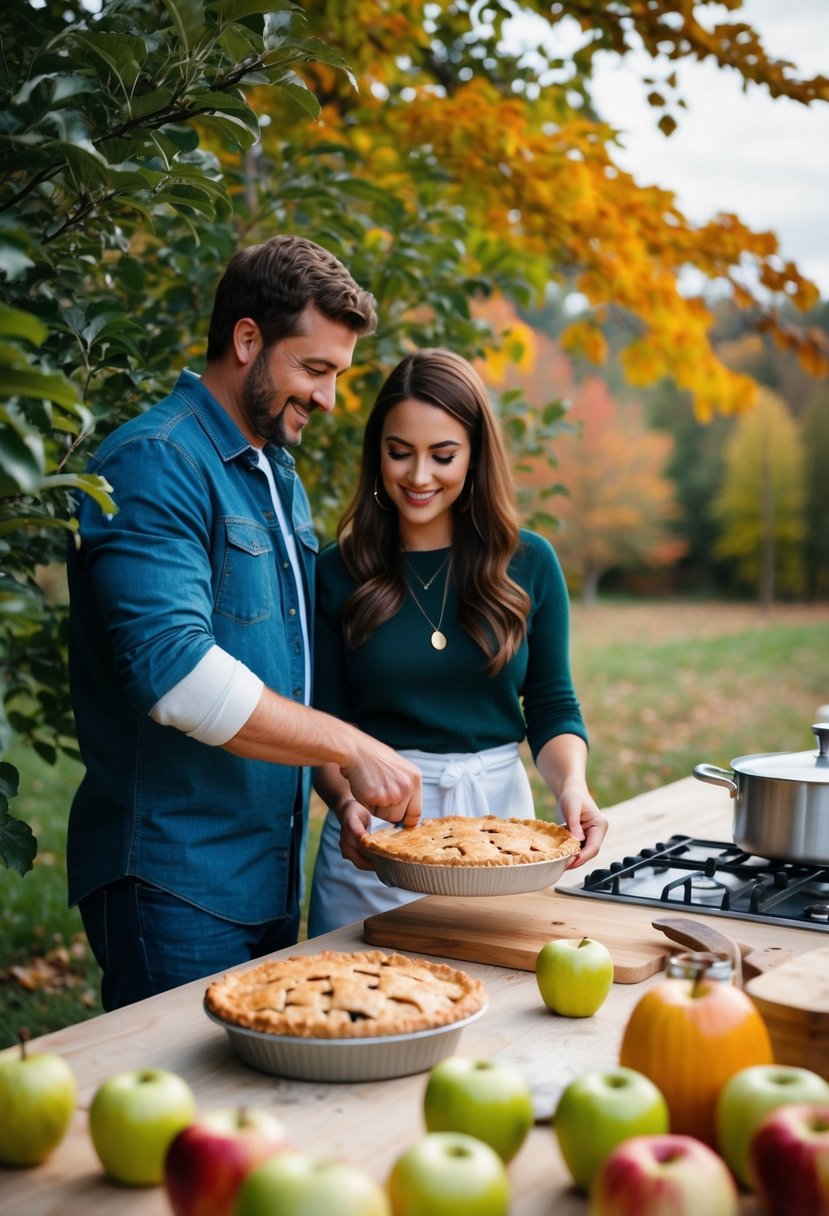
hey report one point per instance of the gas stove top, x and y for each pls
(718, 879)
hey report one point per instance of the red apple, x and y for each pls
(789, 1160)
(207, 1161)
(749, 1096)
(652, 1175)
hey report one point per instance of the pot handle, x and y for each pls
(716, 776)
(821, 732)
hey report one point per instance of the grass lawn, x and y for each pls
(663, 686)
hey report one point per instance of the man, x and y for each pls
(189, 645)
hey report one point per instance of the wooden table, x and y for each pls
(371, 1124)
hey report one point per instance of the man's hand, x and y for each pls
(283, 732)
(390, 786)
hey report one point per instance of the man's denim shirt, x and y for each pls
(194, 557)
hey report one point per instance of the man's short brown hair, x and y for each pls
(274, 282)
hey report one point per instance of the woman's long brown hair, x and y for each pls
(494, 609)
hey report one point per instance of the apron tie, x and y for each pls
(464, 793)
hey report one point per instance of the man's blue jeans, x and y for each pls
(146, 940)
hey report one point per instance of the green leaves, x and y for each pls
(87, 123)
(22, 448)
(188, 20)
(122, 56)
(18, 846)
(98, 488)
(25, 382)
(116, 219)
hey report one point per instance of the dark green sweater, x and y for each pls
(397, 688)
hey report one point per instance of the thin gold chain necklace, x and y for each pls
(429, 582)
(438, 639)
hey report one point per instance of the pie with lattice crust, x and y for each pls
(335, 995)
(460, 841)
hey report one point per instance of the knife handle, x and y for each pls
(696, 936)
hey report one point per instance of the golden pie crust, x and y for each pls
(345, 996)
(486, 841)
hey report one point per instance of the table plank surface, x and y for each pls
(371, 1124)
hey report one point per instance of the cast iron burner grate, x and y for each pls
(718, 879)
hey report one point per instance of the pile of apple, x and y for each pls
(772, 1137)
(695, 1107)
(146, 1129)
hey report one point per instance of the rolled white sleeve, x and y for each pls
(213, 702)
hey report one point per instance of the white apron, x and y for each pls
(491, 782)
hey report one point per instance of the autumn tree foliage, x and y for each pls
(760, 505)
(600, 489)
(616, 502)
(509, 144)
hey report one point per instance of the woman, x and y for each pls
(443, 630)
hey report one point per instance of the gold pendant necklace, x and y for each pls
(438, 639)
(429, 582)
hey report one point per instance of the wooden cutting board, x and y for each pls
(793, 1000)
(508, 931)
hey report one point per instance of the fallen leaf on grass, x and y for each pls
(51, 973)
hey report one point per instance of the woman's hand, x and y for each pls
(562, 763)
(355, 822)
(584, 820)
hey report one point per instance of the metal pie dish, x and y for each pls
(375, 1059)
(467, 880)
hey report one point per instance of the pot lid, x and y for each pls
(791, 766)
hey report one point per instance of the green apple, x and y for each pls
(484, 1098)
(37, 1100)
(748, 1096)
(449, 1174)
(299, 1184)
(599, 1110)
(574, 976)
(133, 1119)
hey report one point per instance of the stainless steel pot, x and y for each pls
(781, 801)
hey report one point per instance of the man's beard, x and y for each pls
(258, 393)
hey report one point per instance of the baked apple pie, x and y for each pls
(460, 841)
(334, 995)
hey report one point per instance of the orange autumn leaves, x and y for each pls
(554, 192)
(618, 501)
(534, 171)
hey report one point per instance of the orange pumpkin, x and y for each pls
(689, 1036)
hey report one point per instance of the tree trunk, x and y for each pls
(767, 538)
(590, 585)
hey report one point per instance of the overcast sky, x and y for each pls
(767, 160)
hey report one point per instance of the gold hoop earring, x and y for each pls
(377, 494)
